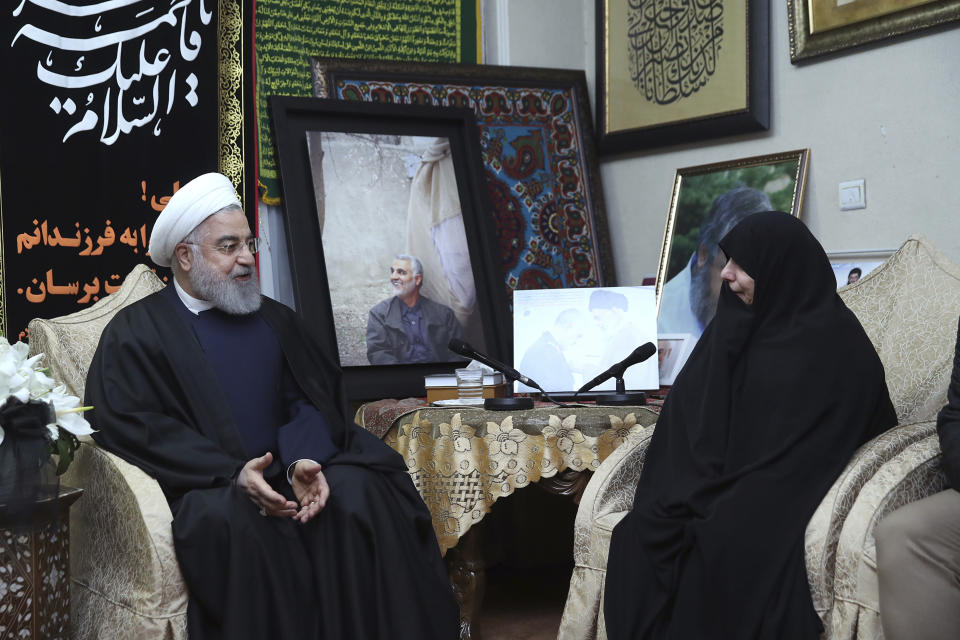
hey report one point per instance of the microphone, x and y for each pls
(459, 346)
(639, 354)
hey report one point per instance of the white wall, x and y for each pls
(888, 113)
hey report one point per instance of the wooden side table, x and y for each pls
(35, 574)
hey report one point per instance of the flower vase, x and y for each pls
(28, 478)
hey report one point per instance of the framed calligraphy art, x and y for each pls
(707, 201)
(693, 70)
(537, 152)
(818, 27)
(390, 239)
(109, 108)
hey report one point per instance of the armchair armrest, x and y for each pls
(823, 530)
(912, 474)
(608, 497)
(606, 500)
(125, 577)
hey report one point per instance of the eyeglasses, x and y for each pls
(231, 249)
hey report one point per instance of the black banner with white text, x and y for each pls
(108, 107)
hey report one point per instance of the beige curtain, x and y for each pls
(436, 235)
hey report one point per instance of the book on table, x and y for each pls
(450, 379)
(443, 386)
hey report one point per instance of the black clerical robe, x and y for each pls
(368, 566)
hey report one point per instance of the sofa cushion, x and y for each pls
(70, 341)
(909, 307)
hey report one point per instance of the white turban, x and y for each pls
(193, 203)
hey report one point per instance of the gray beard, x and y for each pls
(701, 303)
(226, 293)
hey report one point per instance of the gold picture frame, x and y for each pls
(707, 201)
(818, 28)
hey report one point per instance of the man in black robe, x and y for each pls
(289, 521)
(781, 389)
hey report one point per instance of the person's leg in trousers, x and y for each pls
(918, 568)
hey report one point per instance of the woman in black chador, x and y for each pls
(781, 389)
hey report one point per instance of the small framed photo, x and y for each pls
(566, 337)
(673, 349)
(390, 238)
(851, 266)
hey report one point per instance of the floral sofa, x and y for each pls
(909, 307)
(125, 579)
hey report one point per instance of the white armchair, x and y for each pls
(125, 579)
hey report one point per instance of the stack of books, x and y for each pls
(443, 386)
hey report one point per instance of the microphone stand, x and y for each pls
(508, 402)
(621, 398)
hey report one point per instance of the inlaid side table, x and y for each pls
(35, 572)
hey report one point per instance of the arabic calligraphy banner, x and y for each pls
(108, 107)
(288, 32)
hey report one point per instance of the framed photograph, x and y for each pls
(390, 238)
(818, 27)
(708, 201)
(850, 266)
(673, 349)
(536, 152)
(566, 337)
(690, 71)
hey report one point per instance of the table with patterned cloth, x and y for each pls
(463, 459)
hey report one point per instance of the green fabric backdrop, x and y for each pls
(287, 32)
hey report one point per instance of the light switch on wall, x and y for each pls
(853, 195)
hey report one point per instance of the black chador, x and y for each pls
(190, 399)
(774, 400)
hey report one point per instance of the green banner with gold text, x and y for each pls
(288, 32)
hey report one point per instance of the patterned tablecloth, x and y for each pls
(462, 460)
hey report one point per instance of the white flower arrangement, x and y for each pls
(22, 378)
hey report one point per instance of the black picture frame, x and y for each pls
(644, 132)
(510, 103)
(293, 118)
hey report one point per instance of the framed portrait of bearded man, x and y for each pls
(390, 238)
(707, 202)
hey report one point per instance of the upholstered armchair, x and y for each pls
(124, 574)
(909, 307)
